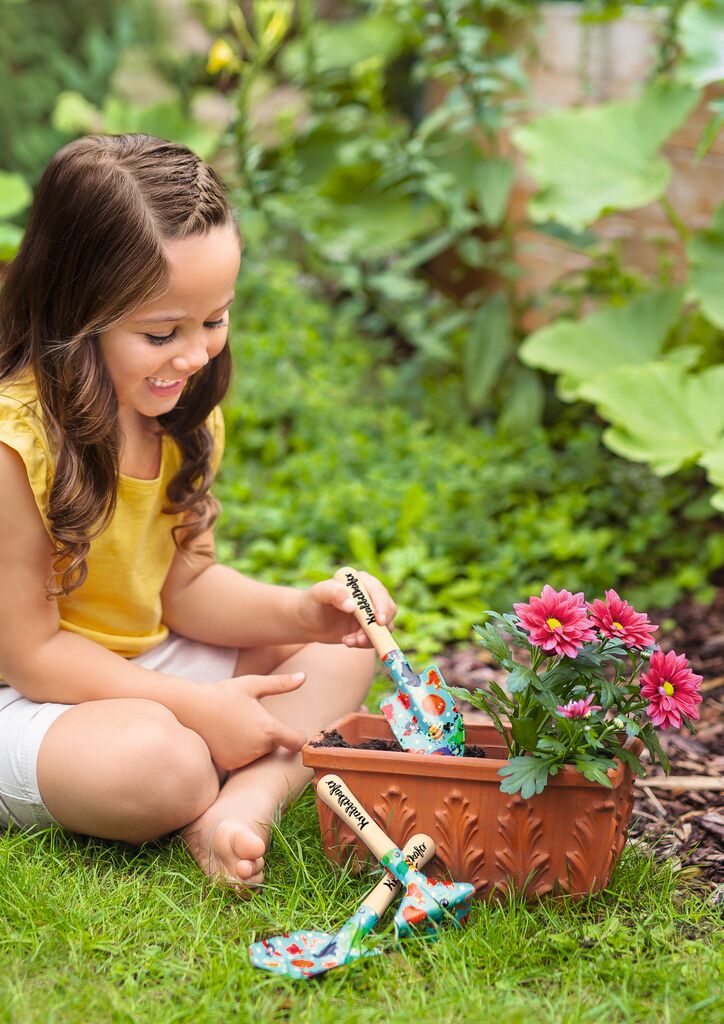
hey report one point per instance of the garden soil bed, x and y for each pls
(683, 822)
(333, 738)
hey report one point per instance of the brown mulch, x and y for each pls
(684, 821)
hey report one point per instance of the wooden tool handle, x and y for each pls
(419, 850)
(379, 636)
(335, 794)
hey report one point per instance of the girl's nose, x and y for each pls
(194, 356)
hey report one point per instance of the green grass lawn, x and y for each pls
(96, 932)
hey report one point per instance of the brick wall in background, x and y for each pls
(577, 64)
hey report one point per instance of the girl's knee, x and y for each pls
(174, 771)
(125, 769)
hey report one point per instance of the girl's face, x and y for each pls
(150, 356)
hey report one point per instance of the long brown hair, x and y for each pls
(91, 254)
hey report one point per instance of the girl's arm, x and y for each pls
(45, 663)
(218, 605)
(215, 604)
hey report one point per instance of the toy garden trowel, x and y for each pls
(421, 713)
(426, 902)
(304, 954)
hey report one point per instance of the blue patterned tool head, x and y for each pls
(304, 954)
(421, 713)
(427, 903)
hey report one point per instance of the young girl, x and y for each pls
(145, 688)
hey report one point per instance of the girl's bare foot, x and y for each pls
(231, 849)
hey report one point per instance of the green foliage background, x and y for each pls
(383, 412)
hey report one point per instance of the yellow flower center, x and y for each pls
(554, 623)
(667, 688)
(617, 625)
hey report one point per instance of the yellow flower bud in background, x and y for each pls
(273, 21)
(221, 58)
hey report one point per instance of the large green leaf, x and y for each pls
(377, 225)
(74, 115)
(713, 463)
(706, 268)
(166, 119)
(338, 46)
(614, 336)
(659, 413)
(493, 181)
(15, 194)
(10, 238)
(486, 346)
(595, 159)
(701, 37)
(522, 409)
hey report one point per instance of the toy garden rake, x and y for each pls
(426, 903)
(421, 713)
(304, 954)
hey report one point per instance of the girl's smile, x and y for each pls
(165, 388)
(151, 355)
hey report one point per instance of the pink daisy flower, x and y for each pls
(556, 621)
(618, 620)
(579, 708)
(671, 688)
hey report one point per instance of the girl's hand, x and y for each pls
(236, 728)
(327, 611)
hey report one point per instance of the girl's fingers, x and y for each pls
(269, 686)
(385, 607)
(356, 640)
(286, 737)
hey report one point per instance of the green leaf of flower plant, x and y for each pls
(629, 758)
(706, 268)
(551, 745)
(610, 694)
(595, 768)
(479, 699)
(492, 641)
(606, 157)
(651, 740)
(524, 732)
(660, 413)
(502, 696)
(701, 37)
(612, 337)
(528, 774)
(520, 679)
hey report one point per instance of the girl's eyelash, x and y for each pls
(160, 339)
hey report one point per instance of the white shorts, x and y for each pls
(24, 723)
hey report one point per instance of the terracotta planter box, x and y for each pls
(565, 840)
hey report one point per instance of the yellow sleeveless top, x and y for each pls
(119, 604)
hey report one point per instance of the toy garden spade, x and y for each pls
(426, 903)
(421, 713)
(304, 954)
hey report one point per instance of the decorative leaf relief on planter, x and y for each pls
(522, 854)
(395, 814)
(623, 816)
(586, 837)
(458, 840)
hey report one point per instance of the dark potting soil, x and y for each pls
(334, 738)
